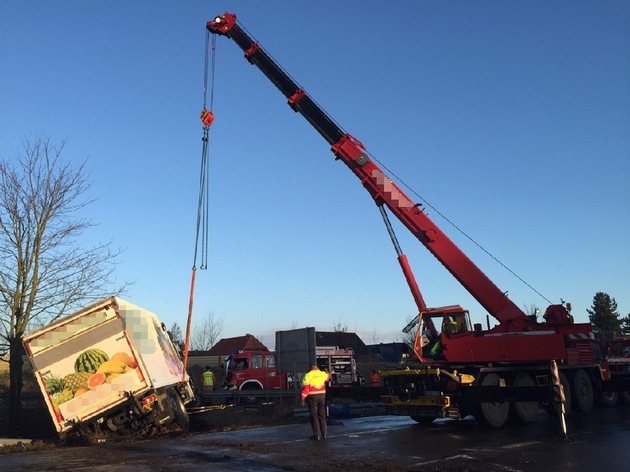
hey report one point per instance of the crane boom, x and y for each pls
(383, 190)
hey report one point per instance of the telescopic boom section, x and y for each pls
(381, 188)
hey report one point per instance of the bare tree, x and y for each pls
(340, 326)
(44, 272)
(176, 335)
(206, 333)
(374, 336)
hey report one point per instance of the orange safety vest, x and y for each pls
(314, 383)
(375, 380)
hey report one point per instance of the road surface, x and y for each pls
(598, 441)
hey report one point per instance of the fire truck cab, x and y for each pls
(253, 370)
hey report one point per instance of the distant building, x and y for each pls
(388, 352)
(342, 340)
(227, 346)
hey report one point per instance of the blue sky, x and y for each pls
(511, 118)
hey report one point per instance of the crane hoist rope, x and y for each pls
(202, 230)
(460, 230)
(207, 117)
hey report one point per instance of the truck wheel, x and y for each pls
(250, 400)
(179, 412)
(582, 392)
(553, 407)
(492, 414)
(524, 411)
(609, 399)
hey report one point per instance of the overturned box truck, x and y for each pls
(110, 367)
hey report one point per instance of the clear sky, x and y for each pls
(511, 118)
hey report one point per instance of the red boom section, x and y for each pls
(383, 190)
(380, 187)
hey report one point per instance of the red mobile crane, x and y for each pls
(465, 369)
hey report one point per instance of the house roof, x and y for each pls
(341, 339)
(227, 346)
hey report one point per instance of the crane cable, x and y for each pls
(466, 235)
(207, 117)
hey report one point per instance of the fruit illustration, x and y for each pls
(90, 360)
(112, 367)
(96, 379)
(80, 392)
(121, 356)
(62, 397)
(76, 381)
(53, 384)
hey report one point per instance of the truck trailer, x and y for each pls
(110, 367)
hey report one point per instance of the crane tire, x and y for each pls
(609, 399)
(582, 392)
(524, 411)
(489, 414)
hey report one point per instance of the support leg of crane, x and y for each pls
(559, 396)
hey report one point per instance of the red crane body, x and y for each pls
(518, 337)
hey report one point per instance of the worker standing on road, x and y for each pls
(314, 391)
(375, 379)
(208, 380)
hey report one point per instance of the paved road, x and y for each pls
(597, 441)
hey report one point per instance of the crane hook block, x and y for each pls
(207, 117)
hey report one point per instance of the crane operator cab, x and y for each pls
(435, 326)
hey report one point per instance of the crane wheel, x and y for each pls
(582, 392)
(524, 411)
(493, 415)
(609, 399)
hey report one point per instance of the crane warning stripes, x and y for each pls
(558, 394)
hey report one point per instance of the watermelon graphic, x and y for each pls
(89, 361)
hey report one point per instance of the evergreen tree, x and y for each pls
(604, 317)
(625, 324)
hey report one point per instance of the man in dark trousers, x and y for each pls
(314, 392)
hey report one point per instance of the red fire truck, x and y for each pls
(253, 370)
(256, 370)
